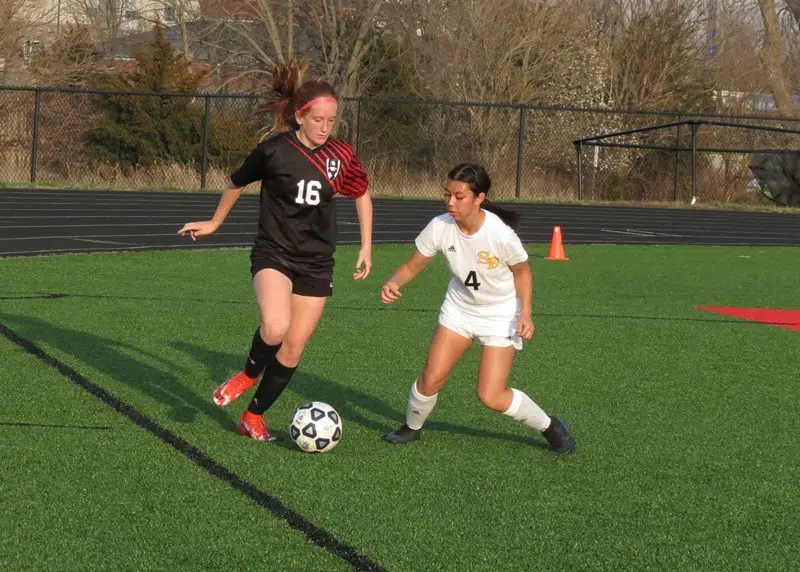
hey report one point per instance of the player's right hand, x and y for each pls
(195, 229)
(390, 292)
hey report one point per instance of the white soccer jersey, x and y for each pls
(482, 281)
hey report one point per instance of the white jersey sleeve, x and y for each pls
(427, 242)
(510, 249)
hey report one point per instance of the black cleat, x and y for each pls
(559, 437)
(404, 435)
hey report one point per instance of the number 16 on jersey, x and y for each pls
(308, 194)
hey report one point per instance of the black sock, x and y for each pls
(276, 378)
(260, 355)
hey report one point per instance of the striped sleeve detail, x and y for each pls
(352, 181)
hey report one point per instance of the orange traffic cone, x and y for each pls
(556, 246)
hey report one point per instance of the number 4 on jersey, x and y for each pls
(472, 280)
(308, 194)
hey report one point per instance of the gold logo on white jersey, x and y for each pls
(485, 257)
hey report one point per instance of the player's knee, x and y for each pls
(429, 384)
(273, 331)
(492, 398)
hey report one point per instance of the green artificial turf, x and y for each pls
(685, 420)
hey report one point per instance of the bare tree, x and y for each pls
(104, 18)
(182, 15)
(70, 60)
(22, 25)
(772, 56)
(659, 55)
(246, 40)
(737, 71)
(499, 51)
(336, 36)
(177, 13)
(793, 6)
(345, 36)
(503, 50)
(790, 29)
(12, 28)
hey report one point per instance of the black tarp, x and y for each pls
(779, 176)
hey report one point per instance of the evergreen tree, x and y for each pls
(142, 130)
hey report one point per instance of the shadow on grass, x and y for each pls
(116, 359)
(351, 403)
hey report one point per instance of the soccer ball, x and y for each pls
(316, 427)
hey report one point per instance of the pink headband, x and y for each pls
(317, 100)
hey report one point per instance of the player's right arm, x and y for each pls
(426, 249)
(206, 227)
(405, 273)
(252, 170)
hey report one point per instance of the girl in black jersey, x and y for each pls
(302, 170)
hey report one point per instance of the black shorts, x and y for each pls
(309, 278)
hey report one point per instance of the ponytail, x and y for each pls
(288, 95)
(278, 101)
(479, 181)
(508, 216)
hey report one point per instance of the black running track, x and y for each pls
(40, 222)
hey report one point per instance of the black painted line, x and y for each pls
(318, 536)
(35, 297)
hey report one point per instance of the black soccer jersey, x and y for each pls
(298, 187)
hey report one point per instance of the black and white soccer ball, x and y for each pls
(316, 427)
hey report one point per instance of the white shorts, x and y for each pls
(495, 330)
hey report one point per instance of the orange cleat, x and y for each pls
(252, 425)
(229, 391)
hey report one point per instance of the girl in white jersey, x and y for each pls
(489, 298)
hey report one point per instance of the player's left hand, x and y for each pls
(364, 263)
(525, 326)
(390, 292)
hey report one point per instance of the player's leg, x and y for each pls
(273, 289)
(305, 311)
(493, 391)
(446, 349)
(493, 372)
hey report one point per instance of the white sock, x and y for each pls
(419, 407)
(524, 410)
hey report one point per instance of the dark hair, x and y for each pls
(476, 177)
(290, 93)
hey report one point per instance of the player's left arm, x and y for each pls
(513, 253)
(356, 186)
(523, 284)
(364, 210)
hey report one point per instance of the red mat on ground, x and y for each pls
(789, 319)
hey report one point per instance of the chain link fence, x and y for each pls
(96, 139)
